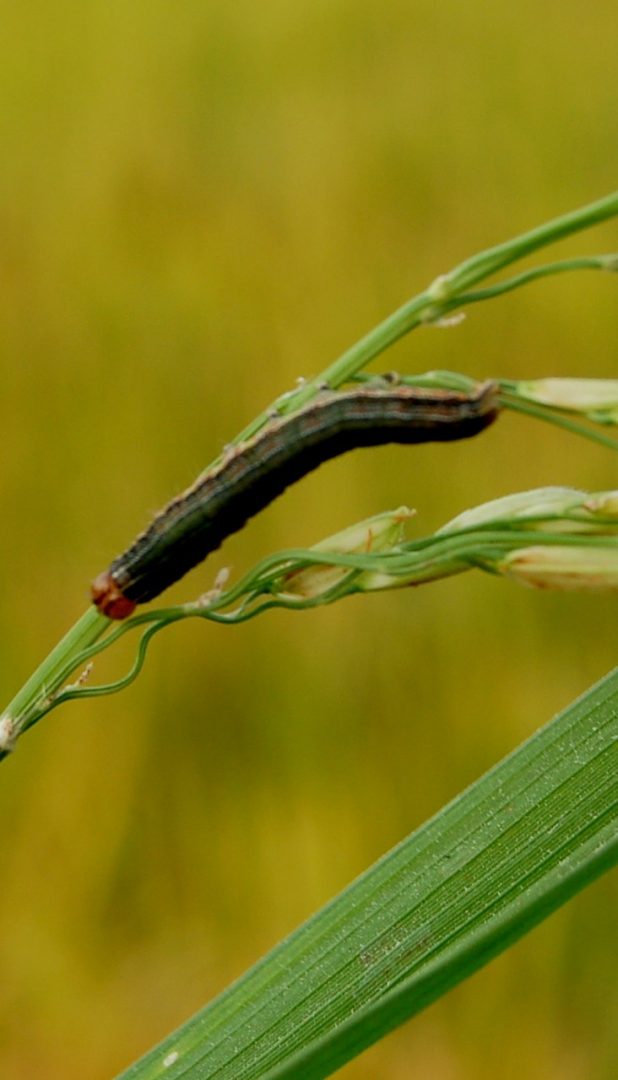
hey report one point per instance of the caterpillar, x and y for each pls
(220, 502)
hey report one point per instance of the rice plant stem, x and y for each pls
(445, 293)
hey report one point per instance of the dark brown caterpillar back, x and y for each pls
(219, 503)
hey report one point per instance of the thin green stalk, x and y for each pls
(488, 262)
(447, 287)
(439, 298)
(563, 266)
(558, 418)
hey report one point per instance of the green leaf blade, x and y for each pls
(491, 865)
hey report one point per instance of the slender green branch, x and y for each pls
(558, 418)
(489, 262)
(438, 299)
(587, 262)
(445, 288)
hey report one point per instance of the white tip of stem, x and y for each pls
(207, 598)
(8, 734)
(444, 321)
(439, 288)
(222, 578)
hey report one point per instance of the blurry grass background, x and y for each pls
(200, 202)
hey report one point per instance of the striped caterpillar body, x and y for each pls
(220, 502)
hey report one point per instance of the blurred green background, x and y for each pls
(199, 203)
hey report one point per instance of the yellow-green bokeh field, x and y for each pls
(200, 202)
